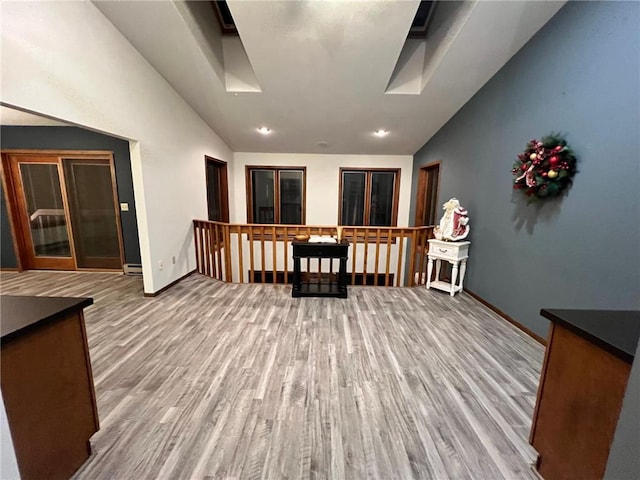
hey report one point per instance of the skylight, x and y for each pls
(225, 19)
(421, 20)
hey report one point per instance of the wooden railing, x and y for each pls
(248, 253)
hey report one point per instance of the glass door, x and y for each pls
(44, 213)
(66, 213)
(94, 218)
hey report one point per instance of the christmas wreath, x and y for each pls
(545, 168)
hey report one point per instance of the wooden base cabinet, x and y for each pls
(580, 395)
(48, 393)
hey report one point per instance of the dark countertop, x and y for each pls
(20, 314)
(616, 331)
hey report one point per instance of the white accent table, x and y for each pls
(456, 253)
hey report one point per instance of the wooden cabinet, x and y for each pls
(47, 384)
(582, 385)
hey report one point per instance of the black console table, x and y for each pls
(304, 249)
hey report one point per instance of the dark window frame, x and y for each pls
(367, 194)
(276, 170)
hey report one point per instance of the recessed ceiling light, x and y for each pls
(264, 130)
(380, 133)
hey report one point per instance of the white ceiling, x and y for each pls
(323, 67)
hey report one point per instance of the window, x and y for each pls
(217, 190)
(369, 197)
(276, 195)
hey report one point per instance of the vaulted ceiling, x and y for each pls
(324, 75)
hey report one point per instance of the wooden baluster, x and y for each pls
(275, 253)
(207, 249)
(214, 245)
(202, 239)
(196, 235)
(386, 275)
(217, 250)
(308, 259)
(423, 256)
(366, 254)
(227, 254)
(320, 232)
(204, 234)
(221, 246)
(221, 254)
(217, 264)
(353, 253)
(240, 266)
(252, 276)
(412, 260)
(286, 256)
(375, 275)
(400, 251)
(262, 263)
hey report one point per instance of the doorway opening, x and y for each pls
(217, 190)
(428, 185)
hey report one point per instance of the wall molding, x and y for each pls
(167, 287)
(509, 319)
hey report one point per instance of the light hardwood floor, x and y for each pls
(224, 381)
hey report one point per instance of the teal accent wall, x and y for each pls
(580, 75)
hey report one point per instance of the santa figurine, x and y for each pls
(454, 224)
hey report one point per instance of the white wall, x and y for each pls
(323, 182)
(8, 462)
(66, 60)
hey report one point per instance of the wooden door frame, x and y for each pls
(21, 244)
(422, 189)
(19, 248)
(224, 186)
(21, 207)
